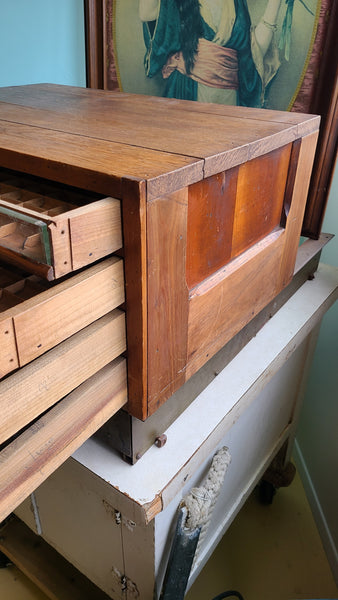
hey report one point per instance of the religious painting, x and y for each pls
(275, 54)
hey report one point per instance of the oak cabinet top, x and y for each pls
(89, 135)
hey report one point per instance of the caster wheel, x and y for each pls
(266, 492)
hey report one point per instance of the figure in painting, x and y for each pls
(207, 50)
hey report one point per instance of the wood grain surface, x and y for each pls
(37, 386)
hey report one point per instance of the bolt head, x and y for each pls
(161, 440)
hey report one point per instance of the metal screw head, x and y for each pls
(161, 440)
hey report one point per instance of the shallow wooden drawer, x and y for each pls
(30, 391)
(52, 230)
(33, 455)
(36, 316)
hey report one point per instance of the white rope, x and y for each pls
(200, 501)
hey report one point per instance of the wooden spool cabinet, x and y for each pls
(164, 227)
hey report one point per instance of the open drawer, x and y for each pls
(52, 230)
(36, 316)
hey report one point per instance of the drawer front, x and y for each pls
(30, 391)
(34, 319)
(52, 230)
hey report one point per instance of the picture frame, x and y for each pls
(316, 91)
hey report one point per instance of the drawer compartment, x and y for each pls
(53, 230)
(35, 318)
(30, 391)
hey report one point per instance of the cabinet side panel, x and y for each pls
(167, 295)
(222, 306)
(210, 224)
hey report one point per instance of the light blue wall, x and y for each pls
(42, 41)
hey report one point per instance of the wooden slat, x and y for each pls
(298, 195)
(27, 461)
(75, 99)
(89, 163)
(61, 247)
(54, 315)
(170, 127)
(22, 209)
(9, 359)
(36, 387)
(178, 132)
(95, 231)
(135, 254)
(221, 306)
(47, 569)
(167, 296)
(65, 98)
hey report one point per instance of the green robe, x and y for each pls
(162, 39)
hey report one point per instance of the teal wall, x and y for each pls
(42, 41)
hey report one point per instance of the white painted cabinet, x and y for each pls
(114, 521)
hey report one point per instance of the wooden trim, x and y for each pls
(325, 103)
(135, 267)
(94, 43)
(168, 296)
(302, 154)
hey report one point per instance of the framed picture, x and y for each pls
(299, 72)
